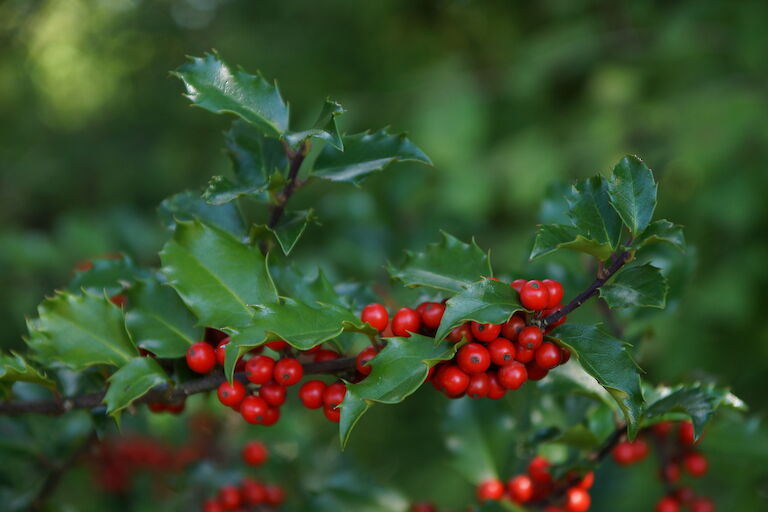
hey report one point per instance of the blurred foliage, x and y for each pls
(506, 99)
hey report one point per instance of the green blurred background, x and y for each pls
(506, 100)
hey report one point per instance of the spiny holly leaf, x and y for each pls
(484, 301)
(292, 283)
(212, 85)
(255, 158)
(107, 275)
(552, 237)
(324, 128)
(217, 276)
(187, 206)
(592, 213)
(365, 153)
(467, 443)
(639, 286)
(697, 401)
(662, 231)
(80, 331)
(158, 320)
(632, 190)
(607, 360)
(14, 368)
(397, 371)
(131, 382)
(288, 230)
(449, 265)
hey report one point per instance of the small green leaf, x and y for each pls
(592, 213)
(552, 237)
(324, 128)
(158, 320)
(212, 85)
(397, 372)
(217, 276)
(662, 231)
(632, 190)
(485, 301)
(107, 275)
(639, 286)
(80, 331)
(131, 382)
(187, 206)
(578, 436)
(365, 153)
(607, 360)
(467, 442)
(288, 231)
(14, 368)
(450, 265)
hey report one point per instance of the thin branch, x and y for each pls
(163, 393)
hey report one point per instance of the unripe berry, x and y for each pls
(376, 315)
(520, 488)
(254, 409)
(405, 322)
(548, 355)
(577, 500)
(512, 376)
(530, 337)
(667, 504)
(538, 470)
(259, 369)
(485, 332)
(534, 296)
(273, 394)
(311, 394)
(512, 327)
(432, 314)
(502, 352)
(479, 384)
(334, 395)
(201, 358)
(554, 292)
(288, 371)
(696, 464)
(490, 490)
(462, 332)
(231, 394)
(255, 453)
(453, 380)
(361, 362)
(473, 358)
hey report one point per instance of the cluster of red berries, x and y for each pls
(497, 357)
(677, 452)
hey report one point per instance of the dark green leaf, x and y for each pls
(639, 286)
(288, 231)
(217, 276)
(484, 301)
(467, 443)
(14, 368)
(80, 331)
(212, 85)
(365, 153)
(592, 213)
(324, 128)
(662, 231)
(632, 190)
(292, 283)
(187, 206)
(131, 382)
(107, 275)
(450, 265)
(578, 436)
(158, 320)
(552, 237)
(607, 360)
(397, 371)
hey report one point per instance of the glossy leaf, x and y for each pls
(607, 360)
(397, 372)
(632, 190)
(467, 443)
(14, 368)
(324, 128)
(158, 320)
(107, 275)
(552, 237)
(288, 230)
(217, 276)
(639, 286)
(188, 206)
(80, 331)
(211, 84)
(484, 301)
(365, 153)
(592, 213)
(449, 265)
(131, 382)
(662, 231)
(292, 283)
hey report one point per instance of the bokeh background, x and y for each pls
(506, 99)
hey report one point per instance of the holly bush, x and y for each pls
(233, 376)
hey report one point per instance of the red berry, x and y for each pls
(453, 380)
(684, 495)
(376, 315)
(176, 408)
(255, 453)
(118, 300)
(667, 504)
(275, 495)
(530, 337)
(288, 371)
(473, 358)
(702, 505)
(254, 409)
(212, 505)
(231, 394)
(462, 332)
(662, 429)
(534, 296)
(259, 369)
(518, 284)
(502, 352)
(311, 394)
(490, 490)
(565, 355)
(221, 355)
(229, 497)
(495, 390)
(548, 355)
(551, 311)
(271, 417)
(686, 434)
(485, 332)
(273, 394)
(512, 327)
(332, 414)
(696, 464)
(334, 395)
(577, 500)
(512, 376)
(520, 488)
(587, 481)
(479, 385)
(405, 322)
(324, 354)
(624, 453)
(277, 346)
(361, 362)
(554, 292)
(524, 355)
(671, 472)
(201, 357)
(253, 492)
(157, 407)
(538, 470)
(432, 314)
(535, 372)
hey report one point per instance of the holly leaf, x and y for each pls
(638, 286)
(552, 237)
(211, 84)
(217, 276)
(131, 382)
(365, 153)
(467, 443)
(397, 372)
(591, 211)
(158, 320)
(107, 275)
(485, 301)
(310, 290)
(14, 368)
(255, 158)
(449, 265)
(324, 128)
(607, 360)
(288, 231)
(79, 331)
(697, 401)
(188, 206)
(632, 190)
(662, 231)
